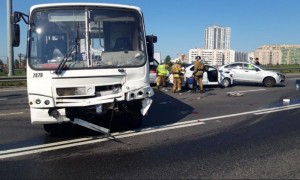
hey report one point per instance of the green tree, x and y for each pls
(168, 62)
(167, 59)
(1, 63)
(23, 63)
(16, 63)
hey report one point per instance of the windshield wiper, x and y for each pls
(64, 60)
(68, 54)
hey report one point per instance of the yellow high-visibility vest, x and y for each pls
(161, 70)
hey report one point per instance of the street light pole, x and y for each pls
(10, 50)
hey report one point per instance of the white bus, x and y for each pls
(85, 62)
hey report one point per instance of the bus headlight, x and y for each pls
(38, 101)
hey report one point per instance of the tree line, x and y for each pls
(18, 64)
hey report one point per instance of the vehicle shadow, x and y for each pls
(254, 84)
(166, 109)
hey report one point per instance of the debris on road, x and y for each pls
(286, 101)
(235, 94)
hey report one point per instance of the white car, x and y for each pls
(247, 72)
(153, 67)
(211, 76)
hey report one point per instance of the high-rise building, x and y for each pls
(217, 37)
(241, 56)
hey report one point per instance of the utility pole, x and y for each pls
(10, 50)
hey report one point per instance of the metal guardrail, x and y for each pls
(283, 69)
(13, 78)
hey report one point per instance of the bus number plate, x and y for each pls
(37, 75)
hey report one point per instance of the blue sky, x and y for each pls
(180, 24)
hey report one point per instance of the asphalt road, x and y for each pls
(184, 136)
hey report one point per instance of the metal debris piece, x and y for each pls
(286, 101)
(184, 112)
(235, 94)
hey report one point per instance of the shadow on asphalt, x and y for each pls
(255, 85)
(166, 109)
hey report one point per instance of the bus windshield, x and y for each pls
(85, 38)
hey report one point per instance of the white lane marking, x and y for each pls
(3, 99)
(247, 91)
(8, 114)
(119, 135)
(277, 109)
(84, 141)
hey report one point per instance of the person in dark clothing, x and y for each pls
(257, 62)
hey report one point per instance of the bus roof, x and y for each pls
(84, 4)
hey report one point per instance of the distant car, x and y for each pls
(211, 76)
(153, 67)
(247, 72)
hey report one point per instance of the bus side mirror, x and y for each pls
(16, 17)
(16, 35)
(150, 49)
(151, 39)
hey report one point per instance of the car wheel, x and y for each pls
(226, 82)
(269, 82)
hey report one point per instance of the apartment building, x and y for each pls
(217, 37)
(278, 54)
(216, 57)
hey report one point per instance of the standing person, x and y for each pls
(257, 62)
(176, 69)
(198, 72)
(161, 73)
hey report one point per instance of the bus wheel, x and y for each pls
(133, 114)
(135, 120)
(63, 129)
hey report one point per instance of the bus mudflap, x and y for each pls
(146, 103)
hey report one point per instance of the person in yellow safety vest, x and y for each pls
(250, 67)
(176, 69)
(161, 73)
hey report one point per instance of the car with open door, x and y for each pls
(211, 76)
